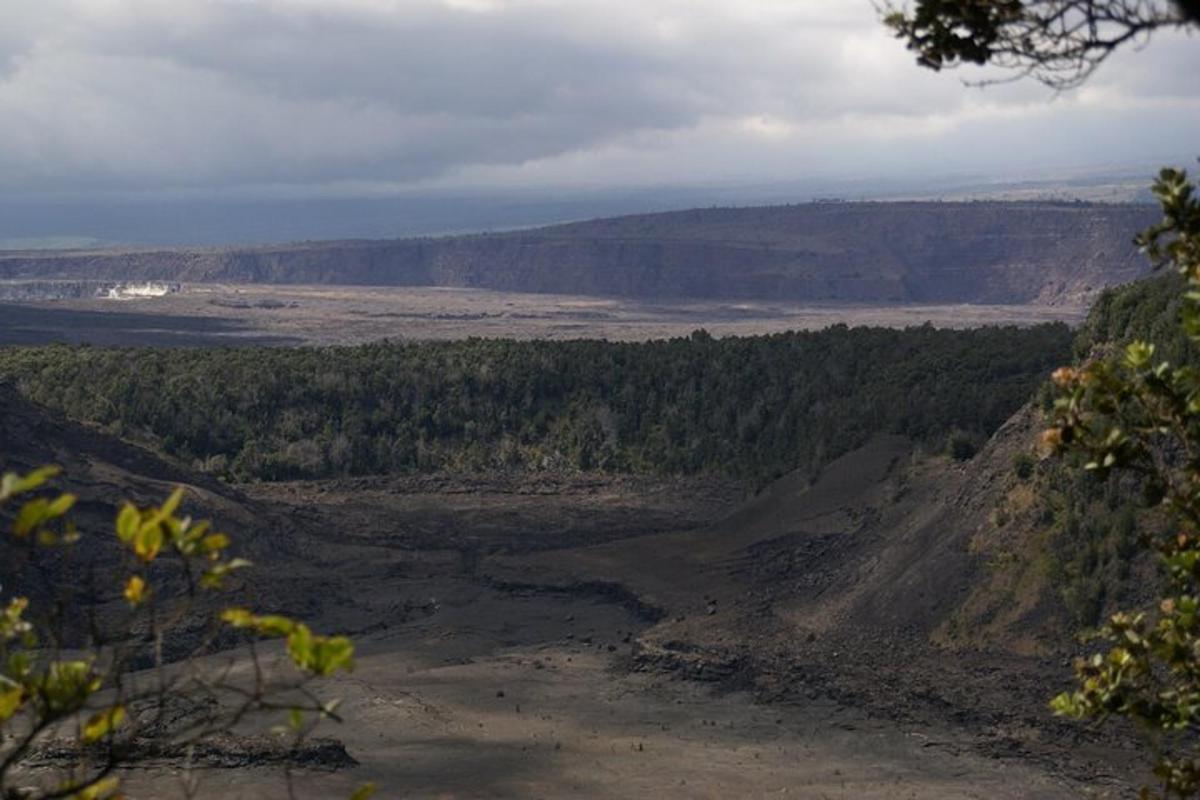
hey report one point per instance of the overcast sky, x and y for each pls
(363, 97)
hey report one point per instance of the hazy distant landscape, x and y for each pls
(733, 271)
(862, 253)
(56, 223)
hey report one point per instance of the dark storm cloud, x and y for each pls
(134, 94)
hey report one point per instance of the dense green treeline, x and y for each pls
(753, 407)
(1148, 310)
(1092, 523)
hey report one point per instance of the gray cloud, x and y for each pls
(231, 94)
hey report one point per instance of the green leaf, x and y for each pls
(148, 541)
(12, 623)
(66, 686)
(214, 577)
(35, 513)
(364, 792)
(104, 789)
(128, 521)
(214, 542)
(135, 590)
(30, 516)
(62, 505)
(320, 655)
(267, 625)
(237, 617)
(10, 701)
(300, 646)
(274, 625)
(172, 503)
(1138, 354)
(12, 484)
(103, 723)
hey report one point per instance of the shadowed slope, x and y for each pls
(104, 472)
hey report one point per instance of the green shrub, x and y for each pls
(94, 696)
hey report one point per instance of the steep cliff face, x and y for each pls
(833, 252)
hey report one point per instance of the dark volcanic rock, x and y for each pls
(224, 751)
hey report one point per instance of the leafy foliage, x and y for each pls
(83, 693)
(1133, 412)
(1093, 546)
(1148, 310)
(1060, 42)
(753, 407)
(1088, 525)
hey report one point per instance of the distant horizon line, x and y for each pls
(48, 245)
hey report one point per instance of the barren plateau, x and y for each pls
(218, 314)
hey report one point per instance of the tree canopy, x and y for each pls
(1058, 42)
(751, 408)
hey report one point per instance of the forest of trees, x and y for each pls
(1093, 525)
(751, 407)
(1149, 310)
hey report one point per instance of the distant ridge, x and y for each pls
(822, 252)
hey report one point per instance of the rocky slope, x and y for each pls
(103, 472)
(886, 542)
(891, 584)
(907, 252)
